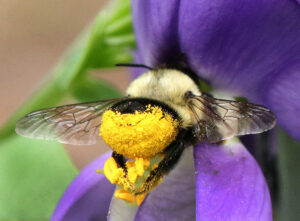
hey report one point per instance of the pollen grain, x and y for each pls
(142, 134)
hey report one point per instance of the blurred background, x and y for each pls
(33, 36)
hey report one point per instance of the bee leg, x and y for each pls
(119, 158)
(172, 156)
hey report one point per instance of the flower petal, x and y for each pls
(234, 44)
(87, 197)
(119, 210)
(174, 198)
(283, 98)
(156, 28)
(239, 43)
(230, 185)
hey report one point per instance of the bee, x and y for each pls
(200, 117)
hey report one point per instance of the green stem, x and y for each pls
(289, 164)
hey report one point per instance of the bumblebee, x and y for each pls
(162, 113)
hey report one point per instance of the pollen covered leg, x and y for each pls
(129, 176)
(120, 160)
(112, 172)
(136, 178)
(136, 168)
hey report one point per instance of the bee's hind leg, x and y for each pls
(171, 157)
(120, 160)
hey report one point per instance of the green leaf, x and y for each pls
(108, 41)
(92, 89)
(33, 176)
(94, 49)
(289, 168)
(112, 37)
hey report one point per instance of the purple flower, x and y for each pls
(249, 48)
(227, 185)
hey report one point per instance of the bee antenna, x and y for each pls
(135, 66)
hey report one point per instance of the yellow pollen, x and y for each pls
(136, 168)
(154, 166)
(140, 165)
(125, 195)
(131, 185)
(112, 172)
(142, 134)
(128, 197)
(132, 174)
(140, 198)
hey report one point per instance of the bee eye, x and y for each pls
(189, 94)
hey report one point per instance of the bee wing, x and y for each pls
(219, 119)
(71, 124)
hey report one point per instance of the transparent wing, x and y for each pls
(219, 119)
(71, 124)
